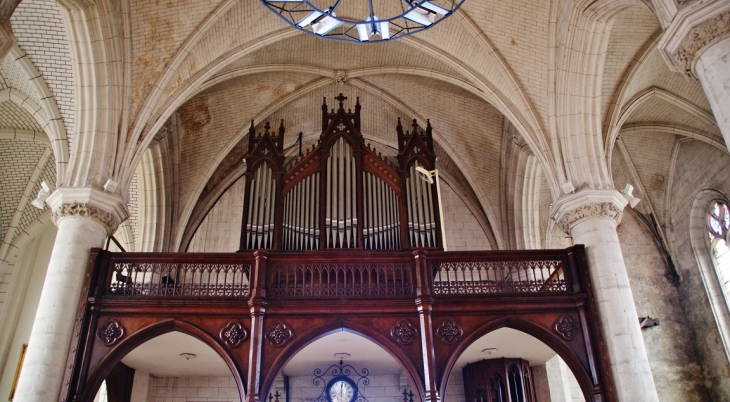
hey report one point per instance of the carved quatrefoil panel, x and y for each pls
(449, 332)
(279, 334)
(110, 333)
(566, 327)
(404, 333)
(233, 334)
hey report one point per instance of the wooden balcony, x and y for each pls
(278, 302)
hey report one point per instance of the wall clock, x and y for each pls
(341, 389)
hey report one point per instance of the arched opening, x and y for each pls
(342, 366)
(168, 366)
(508, 365)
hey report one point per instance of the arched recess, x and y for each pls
(191, 214)
(368, 333)
(534, 330)
(106, 364)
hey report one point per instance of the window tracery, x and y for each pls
(718, 227)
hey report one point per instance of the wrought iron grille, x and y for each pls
(341, 280)
(139, 279)
(487, 277)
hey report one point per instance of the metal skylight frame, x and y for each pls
(416, 16)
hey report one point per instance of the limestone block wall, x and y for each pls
(193, 389)
(220, 231)
(674, 364)
(463, 231)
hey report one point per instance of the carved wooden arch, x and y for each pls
(544, 335)
(99, 371)
(394, 350)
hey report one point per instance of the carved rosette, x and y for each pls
(340, 77)
(85, 210)
(699, 37)
(279, 334)
(233, 334)
(603, 209)
(566, 328)
(110, 333)
(449, 332)
(404, 333)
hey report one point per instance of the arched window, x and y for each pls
(718, 223)
(709, 228)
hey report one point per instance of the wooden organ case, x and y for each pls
(342, 194)
(338, 239)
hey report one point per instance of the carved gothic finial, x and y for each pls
(341, 98)
(399, 128)
(251, 130)
(428, 126)
(267, 127)
(415, 127)
(281, 128)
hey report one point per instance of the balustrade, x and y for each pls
(336, 274)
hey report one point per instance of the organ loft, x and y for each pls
(341, 239)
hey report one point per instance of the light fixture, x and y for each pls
(489, 351)
(342, 355)
(188, 356)
(428, 176)
(361, 25)
(43, 193)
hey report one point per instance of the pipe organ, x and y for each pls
(341, 194)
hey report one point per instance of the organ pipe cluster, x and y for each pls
(342, 194)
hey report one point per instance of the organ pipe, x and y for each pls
(342, 193)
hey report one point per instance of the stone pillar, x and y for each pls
(591, 217)
(84, 217)
(697, 44)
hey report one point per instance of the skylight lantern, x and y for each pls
(357, 21)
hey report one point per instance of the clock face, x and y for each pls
(341, 390)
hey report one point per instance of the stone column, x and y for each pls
(591, 217)
(697, 44)
(84, 217)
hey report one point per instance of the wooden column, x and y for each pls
(424, 304)
(257, 304)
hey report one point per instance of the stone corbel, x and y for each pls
(106, 208)
(573, 209)
(693, 30)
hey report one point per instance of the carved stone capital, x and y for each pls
(106, 208)
(694, 29)
(588, 204)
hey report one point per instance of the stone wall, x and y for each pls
(193, 389)
(676, 370)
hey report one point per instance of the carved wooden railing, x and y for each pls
(485, 277)
(374, 277)
(338, 274)
(520, 273)
(138, 275)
